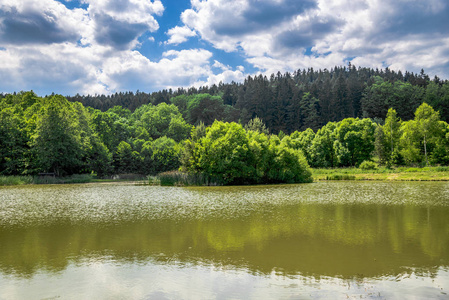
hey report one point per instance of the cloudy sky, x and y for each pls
(106, 46)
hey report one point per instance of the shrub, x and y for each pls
(368, 165)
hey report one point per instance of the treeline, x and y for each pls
(304, 99)
(52, 134)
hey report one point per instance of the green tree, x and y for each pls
(303, 140)
(256, 125)
(99, 159)
(440, 154)
(421, 135)
(13, 143)
(427, 124)
(205, 108)
(228, 154)
(289, 165)
(322, 150)
(165, 154)
(437, 96)
(354, 141)
(382, 95)
(309, 112)
(381, 145)
(127, 160)
(164, 120)
(57, 140)
(392, 134)
(223, 154)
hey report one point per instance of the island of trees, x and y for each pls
(260, 131)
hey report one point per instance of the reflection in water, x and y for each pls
(319, 234)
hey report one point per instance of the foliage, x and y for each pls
(165, 154)
(256, 125)
(230, 155)
(54, 135)
(354, 141)
(368, 165)
(162, 120)
(15, 180)
(382, 95)
(295, 101)
(391, 135)
(57, 140)
(322, 149)
(422, 135)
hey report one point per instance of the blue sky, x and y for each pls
(108, 46)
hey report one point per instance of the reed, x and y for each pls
(340, 177)
(177, 178)
(76, 178)
(15, 180)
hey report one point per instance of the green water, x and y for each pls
(326, 240)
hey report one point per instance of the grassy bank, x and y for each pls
(181, 179)
(15, 180)
(22, 180)
(76, 178)
(396, 174)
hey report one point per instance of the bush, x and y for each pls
(368, 165)
(229, 155)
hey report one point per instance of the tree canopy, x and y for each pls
(265, 130)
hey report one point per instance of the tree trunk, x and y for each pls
(425, 150)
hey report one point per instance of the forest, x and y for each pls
(260, 131)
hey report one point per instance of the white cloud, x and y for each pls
(37, 22)
(47, 47)
(70, 57)
(406, 34)
(119, 23)
(225, 76)
(179, 35)
(132, 70)
(221, 66)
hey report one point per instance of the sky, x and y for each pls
(107, 46)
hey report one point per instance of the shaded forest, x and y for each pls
(305, 99)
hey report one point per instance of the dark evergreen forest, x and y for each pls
(305, 99)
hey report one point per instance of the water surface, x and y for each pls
(322, 240)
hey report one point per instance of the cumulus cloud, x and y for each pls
(114, 23)
(225, 76)
(35, 22)
(285, 35)
(179, 35)
(119, 23)
(46, 46)
(175, 69)
(230, 24)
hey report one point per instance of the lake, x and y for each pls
(338, 240)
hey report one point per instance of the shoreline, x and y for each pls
(383, 174)
(338, 174)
